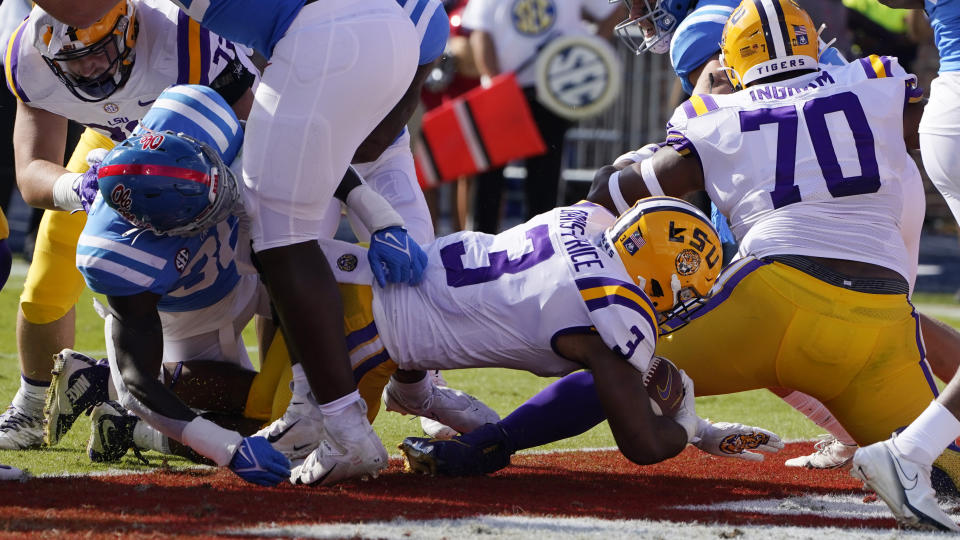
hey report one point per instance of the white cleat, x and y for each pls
(436, 430)
(903, 484)
(79, 383)
(352, 450)
(299, 431)
(458, 410)
(829, 453)
(19, 429)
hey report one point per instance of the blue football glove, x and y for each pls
(257, 462)
(395, 257)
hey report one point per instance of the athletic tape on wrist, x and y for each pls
(613, 187)
(64, 197)
(211, 440)
(372, 209)
(650, 178)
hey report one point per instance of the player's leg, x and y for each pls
(301, 136)
(833, 450)
(45, 320)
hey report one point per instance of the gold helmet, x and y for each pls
(669, 249)
(767, 37)
(92, 62)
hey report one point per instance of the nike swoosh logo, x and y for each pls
(277, 436)
(145, 103)
(664, 390)
(297, 448)
(324, 477)
(904, 476)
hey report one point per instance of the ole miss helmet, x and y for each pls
(169, 183)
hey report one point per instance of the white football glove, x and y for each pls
(733, 440)
(687, 415)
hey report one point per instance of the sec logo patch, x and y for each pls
(181, 260)
(577, 76)
(347, 262)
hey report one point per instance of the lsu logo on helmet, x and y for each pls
(670, 249)
(767, 37)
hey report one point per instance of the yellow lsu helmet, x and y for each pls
(92, 62)
(767, 37)
(670, 250)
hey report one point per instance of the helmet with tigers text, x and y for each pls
(763, 38)
(670, 249)
(651, 23)
(168, 183)
(92, 62)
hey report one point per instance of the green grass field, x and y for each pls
(501, 389)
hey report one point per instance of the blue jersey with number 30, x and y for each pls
(188, 273)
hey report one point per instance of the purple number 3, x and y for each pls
(814, 111)
(500, 264)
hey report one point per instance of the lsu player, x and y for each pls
(823, 267)
(193, 276)
(104, 76)
(690, 32)
(899, 468)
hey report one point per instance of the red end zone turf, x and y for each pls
(597, 484)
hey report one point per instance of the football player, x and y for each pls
(104, 76)
(177, 264)
(899, 469)
(806, 290)
(690, 32)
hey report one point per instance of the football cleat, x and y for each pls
(903, 484)
(457, 457)
(111, 434)
(78, 384)
(458, 410)
(351, 450)
(19, 429)
(432, 428)
(299, 431)
(829, 453)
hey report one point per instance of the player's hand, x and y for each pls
(257, 462)
(395, 257)
(88, 185)
(726, 439)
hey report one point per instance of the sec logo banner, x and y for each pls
(577, 76)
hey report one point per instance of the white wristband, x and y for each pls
(613, 188)
(211, 440)
(650, 178)
(372, 209)
(639, 154)
(64, 197)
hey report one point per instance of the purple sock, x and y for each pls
(564, 409)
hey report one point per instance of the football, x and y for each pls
(664, 386)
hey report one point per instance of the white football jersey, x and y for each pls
(809, 166)
(170, 49)
(501, 301)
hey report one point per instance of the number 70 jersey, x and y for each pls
(814, 165)
(502, 301)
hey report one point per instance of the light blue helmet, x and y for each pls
(199, 112)
(651, 23)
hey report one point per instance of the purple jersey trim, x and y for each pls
(369, 364)
(15, 61)
(729, 284)
(362, 335)
(868, 68)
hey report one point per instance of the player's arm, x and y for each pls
(642, 436)
(137, 336)
(912, 112)
(80, 14)
(39, 141)
(390, 127)
(485, 53)
(665, 173)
